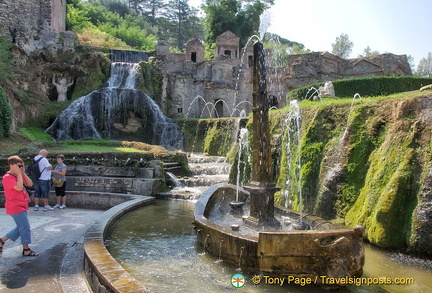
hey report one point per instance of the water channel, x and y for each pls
(158, 246)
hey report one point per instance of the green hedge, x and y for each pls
(366, 87)
(5, 115)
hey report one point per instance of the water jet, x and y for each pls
(262, 244)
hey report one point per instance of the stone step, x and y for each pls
(104, 171)
(141, 186)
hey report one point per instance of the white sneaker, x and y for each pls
(57, 206)
(62, 206)
(48, 208)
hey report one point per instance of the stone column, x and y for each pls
(261, 188)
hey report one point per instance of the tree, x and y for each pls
(342, 46)
(112, 24)
(281, 48)
(178, 12)
(179, 23)
(240, 17)
(424, 67)
(411, 63)
(368, 52)
(152, 9)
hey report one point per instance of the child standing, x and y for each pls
(59, 182)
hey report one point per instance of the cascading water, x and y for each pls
(293, 124)
(118, 110)
(243, 148)
(205, 171)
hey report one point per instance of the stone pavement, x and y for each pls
(58, 236)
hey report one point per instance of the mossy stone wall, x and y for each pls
(216, 137)
(365, 163)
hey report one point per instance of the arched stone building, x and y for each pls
(223, 86)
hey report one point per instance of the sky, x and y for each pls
(387, 26)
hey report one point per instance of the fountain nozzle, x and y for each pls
(236, 207)
(300, 225)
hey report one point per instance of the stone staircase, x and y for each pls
(132, 180)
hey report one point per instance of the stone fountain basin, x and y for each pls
(330, 252)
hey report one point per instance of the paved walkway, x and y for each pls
(58, 236)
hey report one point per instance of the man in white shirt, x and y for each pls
(42, 186)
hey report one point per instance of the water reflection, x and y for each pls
(158, 246)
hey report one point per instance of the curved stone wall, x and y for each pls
(103, 272)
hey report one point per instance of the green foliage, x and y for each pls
(281, 48)
(35, 134)
(137, 25)
(342, 47)
(182, 22)
(424, 67)
(92, 36)
(364, 138)
(98, 74)
(243, 19)
(219, 136)
(5, 115)
(366, 87)
(76, 19)
(150, 81)
(213, 136)
(368, 52)
(113, 19)
(7, 68)
(388, 197)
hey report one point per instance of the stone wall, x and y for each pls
(22, 20)
(304, 69)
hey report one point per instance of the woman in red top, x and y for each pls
(16, 205)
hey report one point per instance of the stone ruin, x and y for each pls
(222, 87)
(32, 24)
(305, 69)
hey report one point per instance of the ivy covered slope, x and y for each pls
(369, 164)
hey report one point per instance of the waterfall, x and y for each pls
(118, 110)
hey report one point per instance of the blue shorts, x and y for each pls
(42, 189)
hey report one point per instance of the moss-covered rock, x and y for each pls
(217, 137)
(150, 80)
(366, 162)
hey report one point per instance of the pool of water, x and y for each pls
(158, 246)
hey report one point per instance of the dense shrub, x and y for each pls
(5, 115)
(366, 87)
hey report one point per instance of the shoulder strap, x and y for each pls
(12, 174)
(25, 187)
(37, 161)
